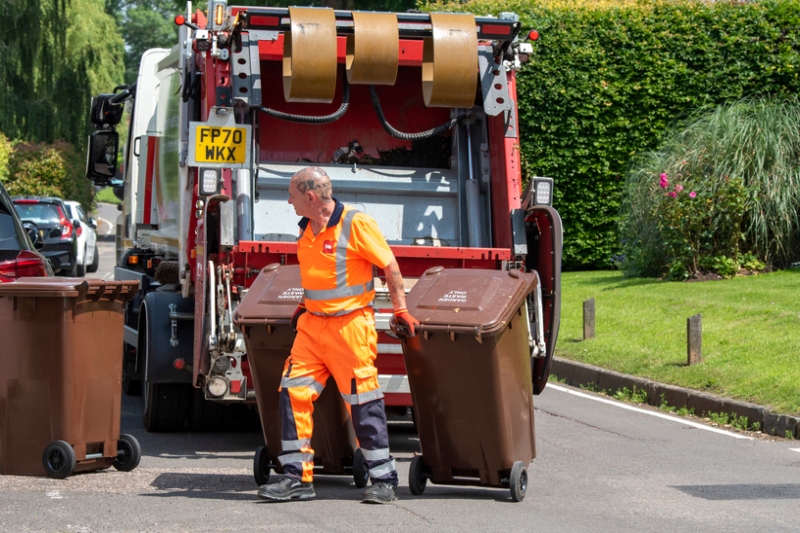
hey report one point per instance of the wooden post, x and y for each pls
(694, 339)
(588, 319)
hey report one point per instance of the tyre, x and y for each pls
(73, 270)
(129, 453)
(518, 481)
(209, 416)
(80, 268)
(416, 476)
(166, 407)
(360, 471)
(261, 463)
(95, 264)
(58, 459)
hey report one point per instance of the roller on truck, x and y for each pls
(413, 116)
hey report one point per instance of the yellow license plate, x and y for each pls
(219, 144)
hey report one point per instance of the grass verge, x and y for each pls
(751, 332)
(106, 195)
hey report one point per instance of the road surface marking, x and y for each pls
(795, 449)
(671, 418)
(55, 495)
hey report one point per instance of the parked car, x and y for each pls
(88, 255)
(49, 216)
(19, 256)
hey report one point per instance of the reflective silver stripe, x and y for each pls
(393, 383)
(375, 455)
(364, 397)
(295, 458)
(307, 381)
(382, 470)
(295, 444)
(342, 290)
(396, 349)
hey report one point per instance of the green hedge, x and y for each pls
(42, 169)
(607, 79)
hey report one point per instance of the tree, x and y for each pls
(56, 54)
(144, 25)
(32, 36)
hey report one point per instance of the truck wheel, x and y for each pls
(129, 453)
(165, 406)
(95, 261)
(360, 471)
(261, 466)
(518, 482)
(416, 476)
(210, 416)
(58, 459)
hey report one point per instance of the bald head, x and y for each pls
(313, 179)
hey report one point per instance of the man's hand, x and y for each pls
(296, 316)
(405, 320)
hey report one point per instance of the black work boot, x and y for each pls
(287, 489)
(381, 492)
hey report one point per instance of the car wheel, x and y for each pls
(73, 271)
(95, 261)
(80, 268)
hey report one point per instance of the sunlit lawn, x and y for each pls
(751, 332)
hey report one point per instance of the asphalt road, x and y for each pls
(106, 221)
(601, 466)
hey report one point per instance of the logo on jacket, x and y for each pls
(327, 247)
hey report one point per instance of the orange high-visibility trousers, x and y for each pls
(345, 347)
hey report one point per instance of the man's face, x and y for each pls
(298, 200)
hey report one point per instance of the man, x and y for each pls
(336, 335)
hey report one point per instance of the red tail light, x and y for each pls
(66, 226)
(26, 264)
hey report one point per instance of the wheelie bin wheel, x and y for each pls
(416, 476)
(59, 459)
(129, 453)
(518, 482)
(360, 471)
(261, 466)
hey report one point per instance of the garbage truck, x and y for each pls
(412, 115)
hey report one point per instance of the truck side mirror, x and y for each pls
(101, 156)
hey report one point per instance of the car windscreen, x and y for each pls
(9, 240)
(38, 212)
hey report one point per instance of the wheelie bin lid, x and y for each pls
(273, 296)
(478, 302)
(88, 288)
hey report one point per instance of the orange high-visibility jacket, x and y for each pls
(336, 265)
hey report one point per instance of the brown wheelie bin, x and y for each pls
(60, 377)
(263, 316)
(469, 369)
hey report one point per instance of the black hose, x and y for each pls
(311, 119)
(376, 103)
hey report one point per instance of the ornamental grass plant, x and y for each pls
(721, 192)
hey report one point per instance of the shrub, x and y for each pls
(609, 78)
(49, 169)
(741, 161)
